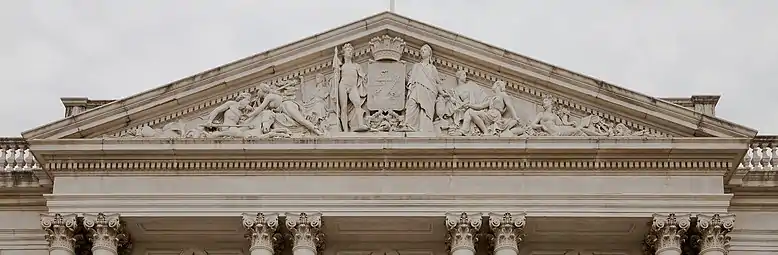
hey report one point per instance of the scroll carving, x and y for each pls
(386, 94)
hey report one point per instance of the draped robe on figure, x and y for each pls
(423, 82)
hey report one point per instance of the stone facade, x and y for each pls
(389, 136)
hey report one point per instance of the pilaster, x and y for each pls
(306, 237)
(106, 233)
(713, 230)
(60, 230)
(667, 234)
(262, 233)
(462, 232)
(508, 230)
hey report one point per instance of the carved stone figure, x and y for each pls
(492, 116)
(225, 118)
(449, 107)
(551, 123)
(423, 87)
(384, 121)
(278, 113)
(351, 91)
(321, 105)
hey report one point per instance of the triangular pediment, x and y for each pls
(306, 77)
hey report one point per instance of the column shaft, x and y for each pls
(59, 233)
(105, 232)
(507, 229)
(713, 230)
(462, 232)
(667, 234)
(307, 238)
(262, 233)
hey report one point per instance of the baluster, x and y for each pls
(747, 159)
(2, 157)
(774, 157)
(29, 160)
(756, 157)
(765, 156)
(9, 159)
(19, 158)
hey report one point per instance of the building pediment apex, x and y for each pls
(527, 83)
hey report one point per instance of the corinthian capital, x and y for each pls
(105, 231)
(59, 231)
(306, 231)
(507, 229)
(713, 231)
(261, 231)
(462, 230)
(668, 232)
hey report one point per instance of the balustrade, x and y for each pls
(762, 154)
(16, 156)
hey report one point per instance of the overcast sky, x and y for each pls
(111, 49)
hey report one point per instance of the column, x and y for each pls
(507, 229)
(667, 234)
(462, 232)
(262, 233)
(59, 233)
(106, 233)
(713, 230)
(307, 238)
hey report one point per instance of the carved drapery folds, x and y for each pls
(462, 232)
(106, 232)
(667, 234)
(712, 231)
(507, 230)
(386, 94)
(306, 235)
(60, 232)
(262, 232)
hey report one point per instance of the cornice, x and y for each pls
(406, 205)
(394, 154)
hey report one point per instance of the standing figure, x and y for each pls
(351, 91)
(423, 85)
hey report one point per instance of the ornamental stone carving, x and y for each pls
(507, 230)
(262, 233)
(106, 233)
(667, 234)
(60, 230)
(713, 230)
(306, 235)
(386, 94)
(462, 232)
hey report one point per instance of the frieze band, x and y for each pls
(385, 95)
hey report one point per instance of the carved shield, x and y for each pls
(385, 86)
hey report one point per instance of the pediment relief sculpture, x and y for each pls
(386, 95)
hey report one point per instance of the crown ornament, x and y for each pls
(387, 48)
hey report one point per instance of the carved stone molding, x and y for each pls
(507, 229)
(262, 231)
(106, 232)
(60, 230)
(713, 230)
(462, 231)
(668, 232)
(305, 231)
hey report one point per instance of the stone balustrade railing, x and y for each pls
(762, 155)
(15, 156)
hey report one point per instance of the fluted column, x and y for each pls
(462, 232)
(507, 229)
(713, 230)
(262, 233)
(59, 233)
(307, 238)
(667, 234)
(105, 232)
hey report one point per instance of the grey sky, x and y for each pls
(113, 49)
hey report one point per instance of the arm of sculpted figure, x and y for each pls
(215, 112)
(480, 106)
(509, 106)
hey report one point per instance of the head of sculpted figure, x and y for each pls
(548, 102)
(244, 99)
(319, 78)
(426, 51)
(348, 50)
(263, 89)
(461, 76)
(498, 86)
